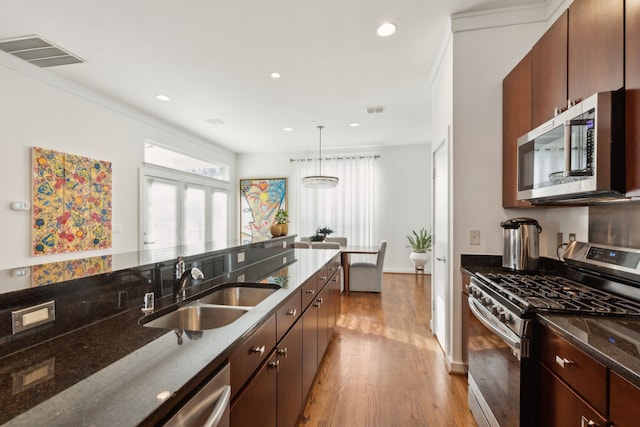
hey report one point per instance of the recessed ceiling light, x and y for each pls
(386, 29)
(163, 98)
(287, 129)
(354, 124)
(275, 75)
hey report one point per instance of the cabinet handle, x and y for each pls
(334, 278)
(587, 423)
(311, 291)
(292, 312)
(259, 350)
(563, 362)
(275, 365)
(323, 277)
(282, 352)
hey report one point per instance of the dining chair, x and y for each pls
(325, 245)
(367, 276)
(341, 240)
(300, 245)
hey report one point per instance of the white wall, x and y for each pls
(40, 109)
(481, 59)
(403, 199)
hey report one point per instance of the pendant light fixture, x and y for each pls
(320, 181)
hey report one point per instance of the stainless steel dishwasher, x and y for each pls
(209, 407)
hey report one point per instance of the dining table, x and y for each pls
(346, 252)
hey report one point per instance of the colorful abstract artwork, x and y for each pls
(56, 272)
(260, 200)
(71, 203)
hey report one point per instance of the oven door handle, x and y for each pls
(495, 326)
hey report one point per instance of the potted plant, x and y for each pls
(420, 243)
(282, 218)
(280, 226)
(321, 234)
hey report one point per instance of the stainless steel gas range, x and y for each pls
(598, 280)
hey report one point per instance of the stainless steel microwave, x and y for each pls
(576, 157)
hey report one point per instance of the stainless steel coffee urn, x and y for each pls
(520, 243)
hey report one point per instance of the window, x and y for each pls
(182, 209)
(163, 213)
(164, 157)
(349, 208)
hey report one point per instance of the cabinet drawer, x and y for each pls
(587, 376)
(288, 314)
(251, 353)
(309, 291)
(560, 406)
(624, 410)
(323, 276)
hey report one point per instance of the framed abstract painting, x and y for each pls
(260, 200)
(71, 203)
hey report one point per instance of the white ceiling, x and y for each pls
(214, 60)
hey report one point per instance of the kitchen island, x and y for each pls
(116, 372)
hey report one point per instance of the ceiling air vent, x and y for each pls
(38, 51)
(375, 110)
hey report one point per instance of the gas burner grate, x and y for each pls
(557, 293)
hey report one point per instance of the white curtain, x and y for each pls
(347, 209)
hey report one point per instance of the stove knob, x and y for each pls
(495, 310)
(477, 293)
(504, 316)
(486, 301)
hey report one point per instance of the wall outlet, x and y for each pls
(117, 228)
(474, 237)
(572, 237)
(284, 259)
(240, 278)
(560, 239)
(240, 256)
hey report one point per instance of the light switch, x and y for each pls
(474, 237)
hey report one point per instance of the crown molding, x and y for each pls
(515, 15)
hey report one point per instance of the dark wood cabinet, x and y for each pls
(251, 353)
(302, 326)
(325, 308)
(309, 348)
(256, 403)
(560, 406)
(596, 47)
(549, 72)
(516, 121)
(632, 96)
(289, 358)
(582, 373)
(624, 410)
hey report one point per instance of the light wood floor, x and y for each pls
(384, 368)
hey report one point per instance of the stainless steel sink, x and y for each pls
(239, 295)
(197, 317)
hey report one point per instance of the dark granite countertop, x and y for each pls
(612, 341)
(113, 372)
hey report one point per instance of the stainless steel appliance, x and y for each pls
(598, 280)
(520, 242)
(210, 406)
(579, 154)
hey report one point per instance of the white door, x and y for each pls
(440, 275)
